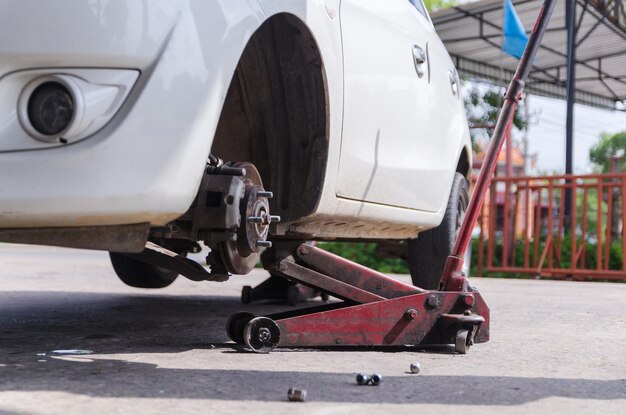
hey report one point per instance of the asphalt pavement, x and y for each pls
(556, 348)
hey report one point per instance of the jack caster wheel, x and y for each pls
(262, 335)
(236, 325)
(463, 341)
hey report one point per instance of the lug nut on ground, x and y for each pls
(363, 379)
(296, 395)
(415, 368)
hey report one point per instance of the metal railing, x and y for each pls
(527, 228)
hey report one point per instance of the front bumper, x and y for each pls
(146, 164)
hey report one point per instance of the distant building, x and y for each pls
(517, 161)
(515, 214)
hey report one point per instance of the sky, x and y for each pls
(546, 133)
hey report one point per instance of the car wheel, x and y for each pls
(138, 274)
(428, 253)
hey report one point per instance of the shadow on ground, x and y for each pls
(32, 323)
(117, 379)
(113, 323)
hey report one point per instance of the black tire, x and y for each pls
(428, 253)
(138, 274)
(236, 324)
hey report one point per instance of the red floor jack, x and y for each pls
(378, 310)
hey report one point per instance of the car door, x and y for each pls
(390, 143)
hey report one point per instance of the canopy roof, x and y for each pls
(472, 32)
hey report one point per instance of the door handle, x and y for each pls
(419, 59)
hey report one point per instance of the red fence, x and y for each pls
(525, 227)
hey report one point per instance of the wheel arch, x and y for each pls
(275, 114)
(464, 164)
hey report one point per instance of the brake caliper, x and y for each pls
(232, 216)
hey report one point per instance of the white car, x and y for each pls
(166, 122)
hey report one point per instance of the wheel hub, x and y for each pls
(240, 256)
(264, 334)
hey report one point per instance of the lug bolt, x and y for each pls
(363, 379)
(376, 379)
(264, 244)
(265, 219)
(265, 194)
(415, 368)
(296, 395)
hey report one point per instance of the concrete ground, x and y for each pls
(557, 348)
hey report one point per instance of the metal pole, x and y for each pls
(509, 226)
(570, 22)
(527, 118)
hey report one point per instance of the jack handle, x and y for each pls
(451, 277)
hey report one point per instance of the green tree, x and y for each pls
(433, 5)
(610, 147)
(482, 106)
(608, 156)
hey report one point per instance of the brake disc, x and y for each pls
(240, 256)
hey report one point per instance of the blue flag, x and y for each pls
(515, 38)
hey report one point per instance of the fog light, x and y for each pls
(51, 108)
(63, 107)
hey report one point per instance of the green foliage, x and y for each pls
(592, 211)
(482, 107)
(565, 261)
(433, 5)
(365, 254)
(610, 146)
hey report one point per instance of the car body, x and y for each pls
(350, 110)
